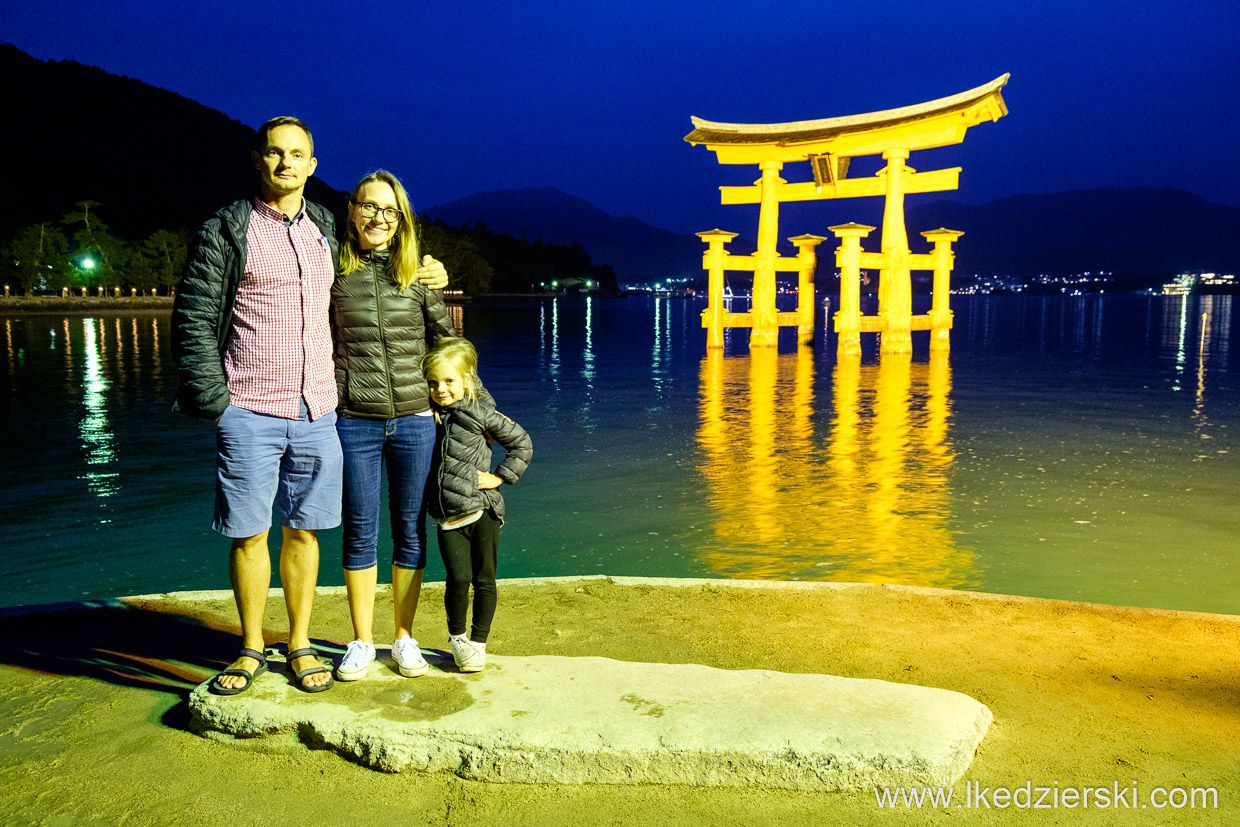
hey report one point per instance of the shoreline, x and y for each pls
(1082, 694)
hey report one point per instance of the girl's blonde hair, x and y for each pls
(402, 263)
(459, 354)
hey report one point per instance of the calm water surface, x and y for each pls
(1078, 448)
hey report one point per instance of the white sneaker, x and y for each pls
(470, 656)
(357, 656)
(409, 660)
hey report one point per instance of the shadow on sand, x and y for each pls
(119, 643)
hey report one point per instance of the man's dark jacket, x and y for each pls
(202, 311)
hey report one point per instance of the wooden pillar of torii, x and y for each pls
(828, 145)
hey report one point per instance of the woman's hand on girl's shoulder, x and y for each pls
(431, 274)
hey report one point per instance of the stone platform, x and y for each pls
(595, 720)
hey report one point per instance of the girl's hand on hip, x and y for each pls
(488, 480)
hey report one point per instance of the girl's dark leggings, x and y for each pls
(469, 555)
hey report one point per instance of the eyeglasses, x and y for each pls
(368, 210)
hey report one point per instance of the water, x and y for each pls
(1078, 448)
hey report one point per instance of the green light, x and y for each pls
(88, 263)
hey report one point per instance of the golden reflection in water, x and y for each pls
(868, 500)
(157, 364)
(8, 335)
(95, 428)
(456, 314)
(68, 348)
(1215, 322)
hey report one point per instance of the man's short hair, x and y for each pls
(283, 120)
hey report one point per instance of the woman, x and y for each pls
(384, 318)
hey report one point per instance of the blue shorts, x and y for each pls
(260, 456)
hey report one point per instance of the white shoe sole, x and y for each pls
(351, 674)
(413, 671)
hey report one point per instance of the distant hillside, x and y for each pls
(151, 158)
(634, 249)
(1135, 231)
(156, 160)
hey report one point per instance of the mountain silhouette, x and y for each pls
(156, 160)
(151, 158)
(1137, 232)
(634, 249)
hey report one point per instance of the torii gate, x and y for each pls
(828, 145)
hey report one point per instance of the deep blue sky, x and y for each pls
(595, 98)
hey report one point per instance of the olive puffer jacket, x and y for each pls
(381, 333)
(463, 448)
(203, 308)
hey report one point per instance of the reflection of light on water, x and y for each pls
(157, 363)
(97, 436)
(870, 503)
(8, 335)
(588, 421)
(1215, 321)
(656, 350)
(1180, 331)
(551, 355)
(587, 370)
(456, 314)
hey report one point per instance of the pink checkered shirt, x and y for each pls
(279, 350)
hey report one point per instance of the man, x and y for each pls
(252, 344)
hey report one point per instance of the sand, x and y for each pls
(95, 728)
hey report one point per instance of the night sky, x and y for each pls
(595, 98)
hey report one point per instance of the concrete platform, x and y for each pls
(596, 720)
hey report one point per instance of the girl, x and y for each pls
(382, 322)
(464, 497)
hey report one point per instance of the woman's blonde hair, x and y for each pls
(402, 263)
(457, 353)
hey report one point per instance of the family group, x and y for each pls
(324, 362)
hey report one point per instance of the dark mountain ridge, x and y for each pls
(1137, 232)
(635, 249)
(156, 160)
(151, 158)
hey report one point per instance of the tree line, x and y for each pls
(79, 252)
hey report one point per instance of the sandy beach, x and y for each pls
(1145, 702)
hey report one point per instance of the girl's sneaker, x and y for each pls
(470, 656)
(409, 660)
(357, 656)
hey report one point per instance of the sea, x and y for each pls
(1072, 447)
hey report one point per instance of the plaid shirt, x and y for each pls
(279, 350)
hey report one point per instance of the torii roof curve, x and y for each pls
(982, 103)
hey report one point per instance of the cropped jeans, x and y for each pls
(404, 445)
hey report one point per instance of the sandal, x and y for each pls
(313, 670)
(214, 687)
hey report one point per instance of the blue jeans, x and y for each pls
(404, 445)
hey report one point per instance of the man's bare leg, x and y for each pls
(406, 587)
(249, 568)
(299, 572)
(361, 586)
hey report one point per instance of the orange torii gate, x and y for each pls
(829, 145)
